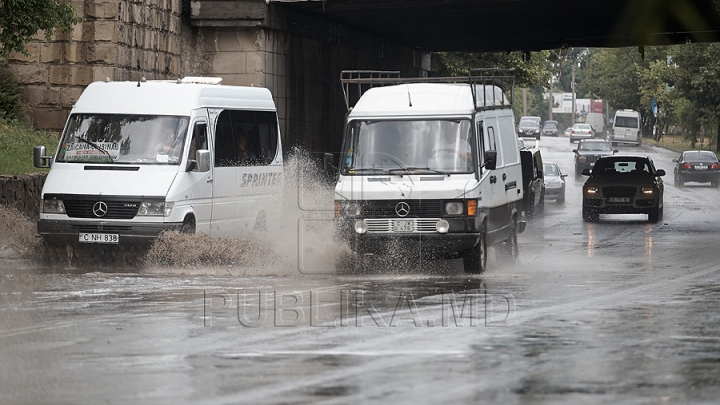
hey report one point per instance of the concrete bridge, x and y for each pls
(297, 48)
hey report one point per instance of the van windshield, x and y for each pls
(124, 139)
(627, 122)
(392, 146)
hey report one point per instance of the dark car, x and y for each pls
(550, 128)
(529, 127)
(554, 182)
(623, 185)
(533, 183)
(589, 151)
(697, 165)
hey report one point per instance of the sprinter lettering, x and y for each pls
(260, 179)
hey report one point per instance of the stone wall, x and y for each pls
(119, 40)
(246, 42)
(22, 193)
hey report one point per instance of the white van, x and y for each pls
(597, 122)
(433, 165)
(626, 128)
(139, 158)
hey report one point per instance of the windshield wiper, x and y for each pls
(413, 169)
(367, 169)
(96, 147)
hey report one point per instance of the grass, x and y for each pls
(678, 144)
(17, 141)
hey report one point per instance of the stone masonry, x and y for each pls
(246, 42)
(119, 40)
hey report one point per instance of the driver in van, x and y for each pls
(169, 143)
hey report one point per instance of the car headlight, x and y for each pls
(591, 190)
(347, 209)
(454, 208)
(52, 207)
(647, 190)
(156, 209)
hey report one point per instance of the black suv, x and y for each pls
(589, 151)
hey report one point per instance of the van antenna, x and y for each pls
(409, 98)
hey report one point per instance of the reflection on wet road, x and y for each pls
(618, 311)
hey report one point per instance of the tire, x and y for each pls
(572, 140)
(541, 206)
(590, 215)
(475, 258)
(509, 250)
(655, 216)
(561, 199)
(676, 180)
(188, 226)
(578, 171)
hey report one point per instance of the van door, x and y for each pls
(201, 183)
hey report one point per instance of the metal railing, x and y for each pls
(357, 82)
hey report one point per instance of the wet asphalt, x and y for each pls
(620, 311)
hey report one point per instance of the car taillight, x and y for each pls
(685, 166)
(613, 131)
(715, 166)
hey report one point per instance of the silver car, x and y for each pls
(554, 182)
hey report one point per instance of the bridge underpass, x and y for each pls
(311, 41)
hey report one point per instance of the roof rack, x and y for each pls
(367, 79)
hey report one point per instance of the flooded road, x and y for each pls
(619, 311)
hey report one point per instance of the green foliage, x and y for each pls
(16, 146)
(10, 107)
(20, 20)
(529, 72)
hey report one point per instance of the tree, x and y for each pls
(20, 20)
(698, 78)
(529, 70)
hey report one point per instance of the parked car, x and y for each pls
(580, 131)
(533, 182)
(589, 151)
(568, 130)
(529, 127)
(623, 184)
(550, 128)
(697, 165)
(554, 182)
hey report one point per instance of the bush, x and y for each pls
(10, 107)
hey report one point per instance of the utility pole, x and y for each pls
(524, 101)
(572, 88)
(551, 96)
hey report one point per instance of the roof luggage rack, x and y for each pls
(485, 77)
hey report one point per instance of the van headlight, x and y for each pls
(52, 207)
(454, 208)
(156, 209)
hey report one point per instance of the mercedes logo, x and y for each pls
(100, 209)
(402, 209)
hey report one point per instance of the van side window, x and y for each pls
(245, 138)
(492, 145)
(199, 139)
(481, 144)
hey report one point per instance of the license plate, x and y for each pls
(619, 199)
(402, 225)
(700, 167)
(99, 238)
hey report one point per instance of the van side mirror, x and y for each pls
(490, 159)
(329, 161)
(202, 159)
(39, 158)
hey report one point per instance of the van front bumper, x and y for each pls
(61, 232)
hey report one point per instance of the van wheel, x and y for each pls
(509, 250)
(475, 258)
(188, 226)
